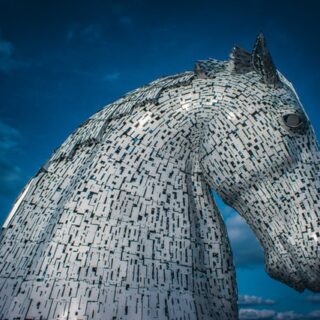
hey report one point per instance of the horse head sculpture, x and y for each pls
(266, 163)
(120, 222)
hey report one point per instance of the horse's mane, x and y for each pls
(92, 129)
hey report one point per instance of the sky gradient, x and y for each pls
(60, 62)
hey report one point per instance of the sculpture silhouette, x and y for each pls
(120, 222)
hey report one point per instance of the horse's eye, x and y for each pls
(293, 121)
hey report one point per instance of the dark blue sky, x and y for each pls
(60, 61)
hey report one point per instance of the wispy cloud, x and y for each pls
(314, 314)
(291, 315)
(253, 314)
(266, 314)
(247, 300)
(246, 249)
(314, 298)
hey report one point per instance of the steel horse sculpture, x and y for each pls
(120, 222)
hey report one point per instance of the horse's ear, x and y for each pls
(259, 60)
(240, 61)
(262, 62)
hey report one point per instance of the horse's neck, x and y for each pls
(133, 220)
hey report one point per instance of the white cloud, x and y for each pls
(289, 315)
(246, 300)
(254, 314)
(267, 314)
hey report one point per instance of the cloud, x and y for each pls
(289, 315)
(253, 314)
(313, 298)
(314, 314)
(266, 314)
(246, 300)
(247, 251)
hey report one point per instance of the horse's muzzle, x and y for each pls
(294, 269)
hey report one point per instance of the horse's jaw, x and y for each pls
(288, 269)
(284, 213)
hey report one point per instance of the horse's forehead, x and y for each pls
(285, 96)
(290, 90)
(243, 96)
